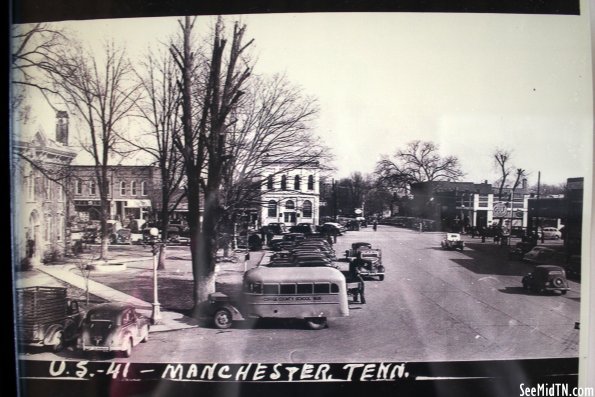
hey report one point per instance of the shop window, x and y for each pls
(133, 188)
(311, 182)
(122, 188)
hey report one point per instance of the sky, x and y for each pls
(469, 82)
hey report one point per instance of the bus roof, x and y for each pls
(293, 274)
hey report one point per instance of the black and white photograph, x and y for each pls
(304, 202)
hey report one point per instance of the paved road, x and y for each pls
(432, 305)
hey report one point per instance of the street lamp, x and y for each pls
(155, 248)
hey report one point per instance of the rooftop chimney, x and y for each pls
(62, 127)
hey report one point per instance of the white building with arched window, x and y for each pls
(290, 193)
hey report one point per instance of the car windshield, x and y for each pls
(102, 315)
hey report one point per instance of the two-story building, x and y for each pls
(131, 192)
(39, 199)
(290, 192)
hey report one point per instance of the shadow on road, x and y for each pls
(491, 259)
(515, 291)
(481, 266)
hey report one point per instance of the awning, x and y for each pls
(138, 203)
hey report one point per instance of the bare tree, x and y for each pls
(420, 161)
(101, 93)
(159, 108)
(502, 161)
(272, 123)
(34, 53)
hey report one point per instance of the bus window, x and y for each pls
(287, 289)
(270, 289)
(322, 288)
(334, 288)
(304, 288)
(253, 288)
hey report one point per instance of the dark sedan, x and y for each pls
(113, 327)
(546, 278)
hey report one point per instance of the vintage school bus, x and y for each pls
(308, 293)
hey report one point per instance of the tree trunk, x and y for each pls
(164, 226)
(162, 255)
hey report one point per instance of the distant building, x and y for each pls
(290, 193)
(131, 192)
(562, 211)
(40, 203)
(459, 205)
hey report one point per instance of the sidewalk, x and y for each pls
(51, 275)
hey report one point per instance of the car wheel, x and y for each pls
(381, 277)
(59, 341)
(563, 292)
(316, 323)
(127, 351)
(525, 285)
(222, 319)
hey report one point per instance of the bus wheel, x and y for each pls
(316, 322)
(222, 319)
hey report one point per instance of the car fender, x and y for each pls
(50, 332)
(235, 313)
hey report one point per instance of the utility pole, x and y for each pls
(539, 207)
(334, 199)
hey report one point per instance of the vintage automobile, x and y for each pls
(549, 233)
(540, 255)
(452, 241)
(520, 249)
(367, 260)
(546, 278)
(113, 327)
(122, 236)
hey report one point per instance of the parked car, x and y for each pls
(540, 255)
(276, 228)
(549, 233)
(91, 235)
(305, 229)
(122, 236)
(520, 249)
(367, 260)
(546, 278)
(452, 241)
(113, 327)
(332, 228)
(47, 317)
